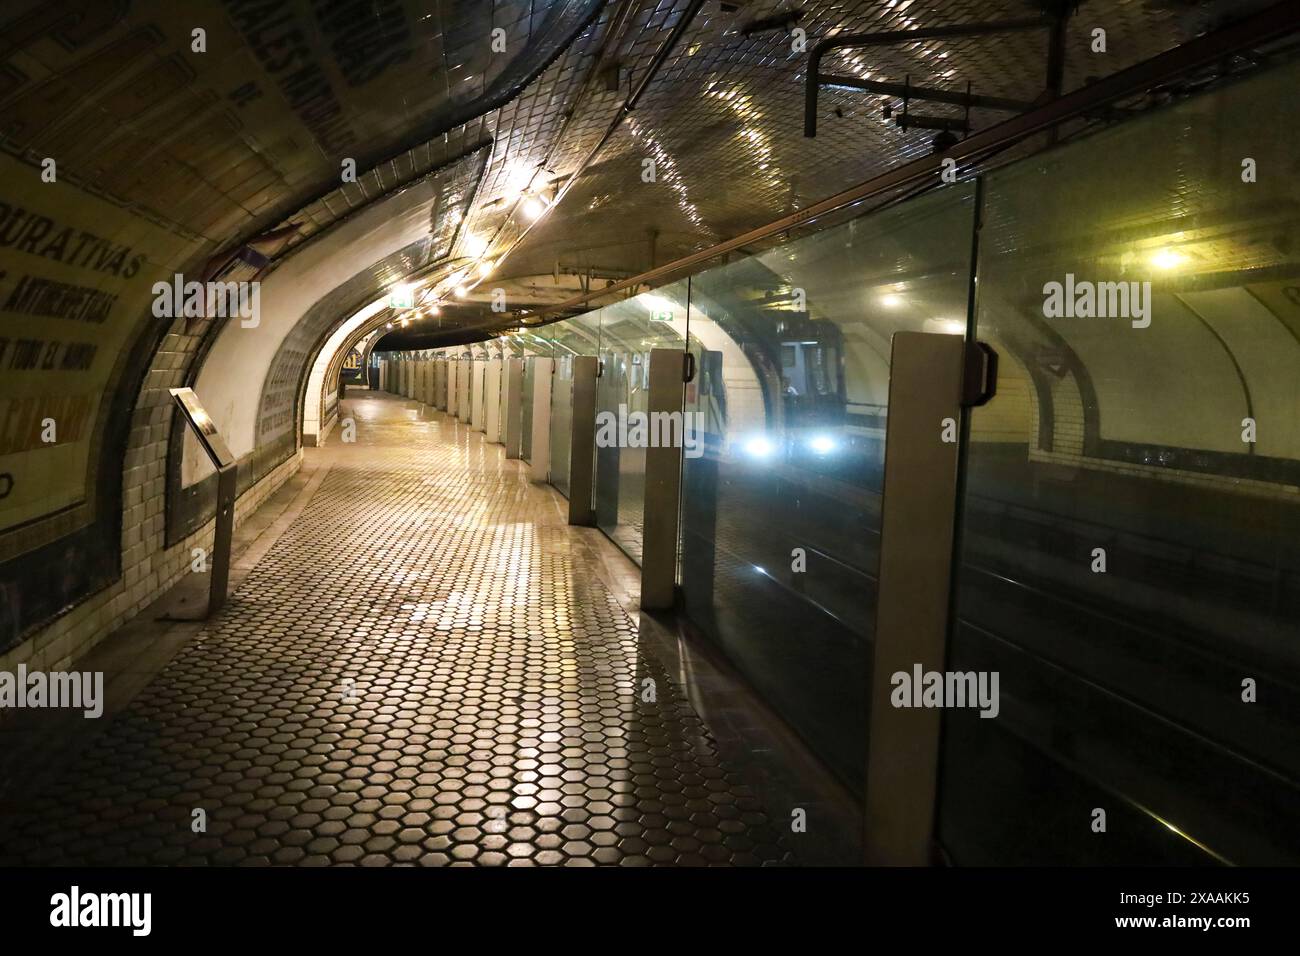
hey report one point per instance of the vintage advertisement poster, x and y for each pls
(75, 285)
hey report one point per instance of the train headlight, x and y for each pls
(822, 444)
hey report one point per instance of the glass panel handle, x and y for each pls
(980, 377)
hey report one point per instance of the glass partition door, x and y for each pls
(1130, 565)
(781, 503)
(629, 331)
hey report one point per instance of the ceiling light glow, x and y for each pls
(1167, 259)
(946, 326)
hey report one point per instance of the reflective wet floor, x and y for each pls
(427, 666)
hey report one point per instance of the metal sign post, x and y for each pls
(205, 430)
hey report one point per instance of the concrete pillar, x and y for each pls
(512, 426)
(462, 390)
(918, 517)
(492, 401)
(663, 483)
(582, 440)
(541, 442)
(476, 402)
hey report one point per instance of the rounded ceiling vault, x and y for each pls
(333, 149)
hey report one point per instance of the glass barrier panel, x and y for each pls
(1130, 542)
(781, 495)
(629, 330)
(576, 336)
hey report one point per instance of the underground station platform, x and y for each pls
(840, 456)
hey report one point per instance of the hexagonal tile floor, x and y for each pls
(422, 670)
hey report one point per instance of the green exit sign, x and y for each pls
(661, 315)
(401, 299)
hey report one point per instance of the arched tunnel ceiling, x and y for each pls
(207, 136)
(723, 121)
(224, 143)
(248, 136)
(177, 151)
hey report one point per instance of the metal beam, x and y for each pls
(891, 37)
(952, 97)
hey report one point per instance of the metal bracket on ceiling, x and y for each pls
(946, 125)
(779, 21)
(815, 79)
